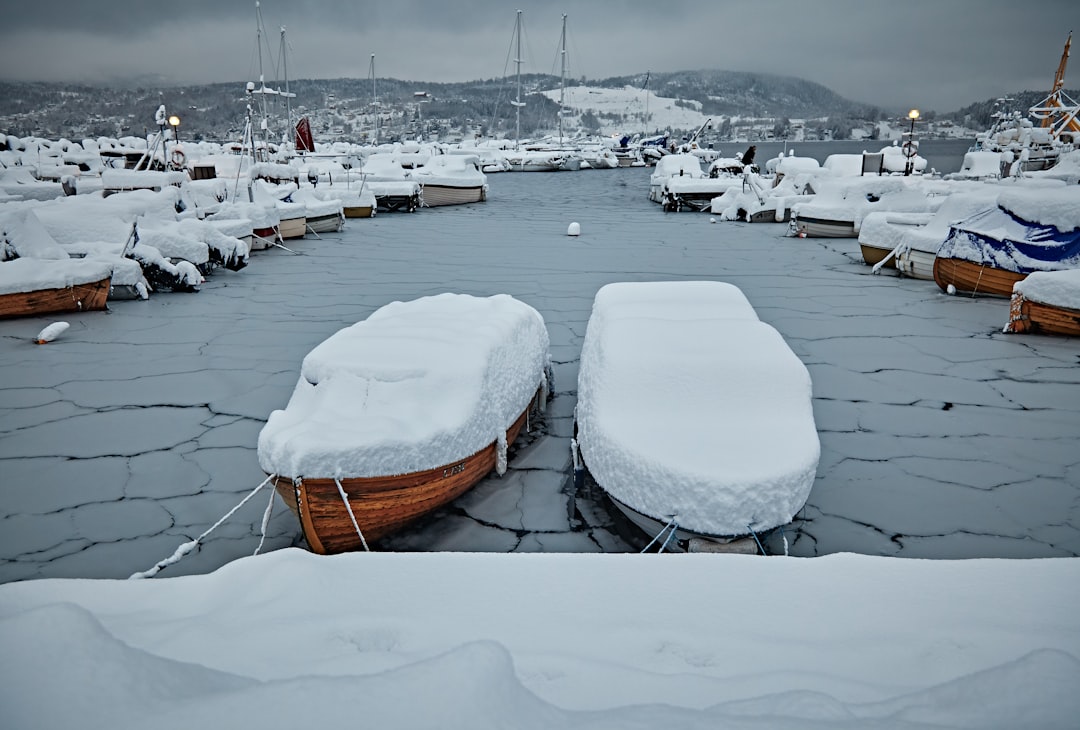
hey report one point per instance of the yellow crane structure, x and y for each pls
(1058, 112)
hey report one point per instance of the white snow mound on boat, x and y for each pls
(689, 406)
(416, 385)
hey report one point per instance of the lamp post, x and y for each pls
(909, 147)
(174, 122)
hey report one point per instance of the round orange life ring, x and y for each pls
(910, 149)
(178, 158)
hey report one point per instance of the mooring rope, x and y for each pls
(265, 521)
(345, 499)
(760, 546)
(187, 547)
(673, 523)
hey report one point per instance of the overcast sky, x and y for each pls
(930, 54)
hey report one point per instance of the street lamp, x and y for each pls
(174, 122)
(910, 150)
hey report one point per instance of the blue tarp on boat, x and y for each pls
(995, 237)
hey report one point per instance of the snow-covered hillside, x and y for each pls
(627, 110)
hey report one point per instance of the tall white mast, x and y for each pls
(374, 99)
(517, 60)
(285, 70)
(562, 87)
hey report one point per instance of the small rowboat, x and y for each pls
(402, 413)
(1046, 302)
(30, 287)
(693, 414)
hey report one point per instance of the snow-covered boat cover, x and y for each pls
(689, 406)
(28, 275)
(1030, 229)
(416, 385)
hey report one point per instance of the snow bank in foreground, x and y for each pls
(416, 385)
(688, 406)
(291, 639)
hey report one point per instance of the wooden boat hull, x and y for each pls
(972, 278)
(824, 228)
(436, 195)
(330, 223)
(293, 227)
(75, 298)
(916, 264)
(1026, 315)
(359, 211)
(873, 255)
(384, 504)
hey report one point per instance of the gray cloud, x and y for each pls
(932, 54)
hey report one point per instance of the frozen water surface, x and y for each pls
(136, 429)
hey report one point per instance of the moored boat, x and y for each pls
(693, 415)
(403, 412)
(1046, 302)
(1030, 229)
(31, 287)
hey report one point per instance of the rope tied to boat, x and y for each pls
(500, 454)
(673, 525)
(348, 507)
(188, 547)
(760, 546)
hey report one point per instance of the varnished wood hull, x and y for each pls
(972, 278)
(359, 211)
(293, 227)
(874, 255)
(1026, 315)
(76, 298)
(384, 504)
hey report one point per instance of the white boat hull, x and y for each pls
(436, 195)
(824, 228)
(916, 264)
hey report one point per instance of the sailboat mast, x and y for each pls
(285, 70)
(517, 60)
(374, 100)
(265, 123)
(562, 86)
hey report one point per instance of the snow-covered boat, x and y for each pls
(1046, 302)
(31, 287)
(451, 180)
(908, 242)
(693, 415)
(1032, 228)
(403, 412)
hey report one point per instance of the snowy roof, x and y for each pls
(416, 385)
(689, 406)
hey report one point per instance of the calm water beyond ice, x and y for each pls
(135, 431)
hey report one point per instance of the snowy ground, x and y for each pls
(136, 429)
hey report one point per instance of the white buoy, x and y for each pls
(574, 229)
(712, 220)
(51, 332)
(950, 289)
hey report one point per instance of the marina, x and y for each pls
(136, 430)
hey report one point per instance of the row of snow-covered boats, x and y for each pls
(399, 414)
(972, 232)
(70, 239)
